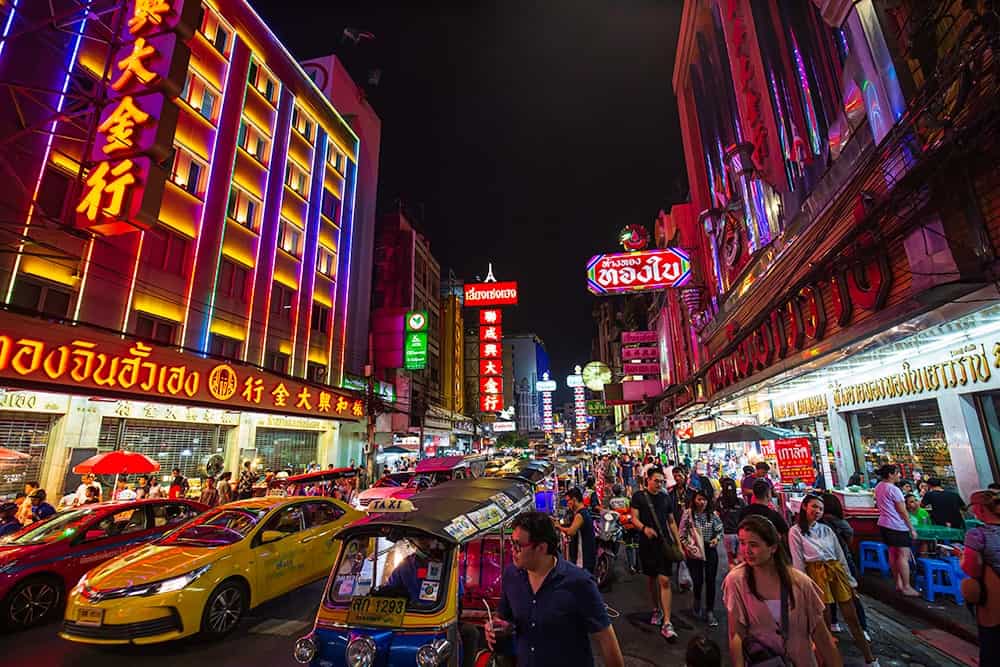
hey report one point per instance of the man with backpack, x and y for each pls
(981, 561)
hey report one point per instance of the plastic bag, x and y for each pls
(683, 576)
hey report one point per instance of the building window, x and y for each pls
(320, 318)
(276, 361)
(200, 96)
(188, 173)
(165, 250)
(302, 124)
(242, 208)
(216, 32)
(53, 192)
(295, 178)
(329, 207)
(281, 302)
(223, 346)
(232, 280)
(289, 237)
(325, 263)
(316, 372)
(252, 140)
(155, 329)
(336, 160)
(262, 82)
(41, 297)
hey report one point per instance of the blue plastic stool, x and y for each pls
(875, 556)
(939, 577)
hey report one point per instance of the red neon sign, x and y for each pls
(491, 294)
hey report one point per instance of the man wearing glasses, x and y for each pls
(652, 555)
(551, 607)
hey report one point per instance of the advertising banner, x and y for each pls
(795, 460)
(490, 294)
(630, 272)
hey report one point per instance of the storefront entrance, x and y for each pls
(281, 449)
(194, 448)
(26, 434)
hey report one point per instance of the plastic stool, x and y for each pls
(875, 556)
(939, 577)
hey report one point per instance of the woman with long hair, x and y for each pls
(816, 550)
(729, 506)
(701, 531)
(833, 516)
(774, 610)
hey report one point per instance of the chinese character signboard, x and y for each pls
(478, 295)
(415, 341)
(545, 386)
(630, 272)
(795, 461)
(124, 185)
(597, 408)
(92, 362)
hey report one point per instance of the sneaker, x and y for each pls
(873, 663)
(667, 630)
(836, 627)
(657, 618)
(713, 622)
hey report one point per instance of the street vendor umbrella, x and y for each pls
(118, 462)
(8, 455)
(744, 433)
(396, 449)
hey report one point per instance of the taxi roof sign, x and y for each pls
(390, 506)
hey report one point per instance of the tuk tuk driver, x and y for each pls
(410, 574)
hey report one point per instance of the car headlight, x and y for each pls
(432, 655)
(305, 650)
(175, 583)
(361, 652)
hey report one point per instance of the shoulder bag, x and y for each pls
(671, 550)
(758, 654)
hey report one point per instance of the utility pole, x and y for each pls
(371, 448)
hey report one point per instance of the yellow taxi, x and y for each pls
(205, 575)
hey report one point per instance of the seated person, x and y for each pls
(412, 571)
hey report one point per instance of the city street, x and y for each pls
(267, 637)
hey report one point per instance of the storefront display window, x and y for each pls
(989, 410)
(279, 449)
(910, 435)
(28, 435)
(174, 445)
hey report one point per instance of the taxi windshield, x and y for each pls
(412, 567)
(61, 526)
(218, 528)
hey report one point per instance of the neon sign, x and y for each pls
(642, 271)
(94, 362)
(491, 294)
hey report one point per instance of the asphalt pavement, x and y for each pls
(266, 637)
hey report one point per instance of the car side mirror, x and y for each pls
(269, 536)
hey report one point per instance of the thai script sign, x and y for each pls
(795, 462)
(642, 271)
(415, 341)
(597, 408)
(95, 362)
(641, 369)
(490, 294)
(638, 337)
(809, 406)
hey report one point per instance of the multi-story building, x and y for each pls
(528, 359)
(842, 159)
(179, 208)
(350, 100)
(408, 278)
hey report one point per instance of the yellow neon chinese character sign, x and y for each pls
(98, 185)
(119, 126)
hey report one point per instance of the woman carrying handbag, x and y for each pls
(775, 612)
(701, 530)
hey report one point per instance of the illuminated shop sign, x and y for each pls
(80, 360)
(629, 272)
(491, 294)
(415, 341)
(597, 408)
(124, 185)
(795, 460)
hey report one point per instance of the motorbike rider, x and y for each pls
(621, 504)
(580, 531)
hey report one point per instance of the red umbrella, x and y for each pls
(12, 455)
(118, 462)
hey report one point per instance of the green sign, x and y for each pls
(598, 409)
(415, 341)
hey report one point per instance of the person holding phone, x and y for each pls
(551, 608)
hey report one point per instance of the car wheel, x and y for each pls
(602, 570)
(31, 602)
(225, 608)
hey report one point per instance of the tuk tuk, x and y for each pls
(410, 579)
(332, 482)
(540, 474)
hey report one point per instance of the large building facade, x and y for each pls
(525, 359)
(175, 180)
(843, 233)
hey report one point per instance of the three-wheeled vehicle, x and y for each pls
(337, 483)
(410, 579)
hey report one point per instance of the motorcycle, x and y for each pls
(608, 533)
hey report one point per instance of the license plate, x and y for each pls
(383, 612)
(89, 616)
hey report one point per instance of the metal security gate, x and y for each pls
(174, 445)
(279, 449)
(27, 434)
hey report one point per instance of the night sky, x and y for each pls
(527, 132)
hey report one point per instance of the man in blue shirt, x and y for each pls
(8, 523)
(552, 607)
(39, 508)
(580, 531)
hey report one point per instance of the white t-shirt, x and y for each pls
(887, 495)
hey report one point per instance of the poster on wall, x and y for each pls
(795, 461)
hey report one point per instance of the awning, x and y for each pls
(744, 433)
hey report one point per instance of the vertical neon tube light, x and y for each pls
(204, 204)
(7, 26)
(260, 234)
(274, 251)
(48, 144)
(83, 279)
(347, 284)
(131, 287)
(307, 267)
